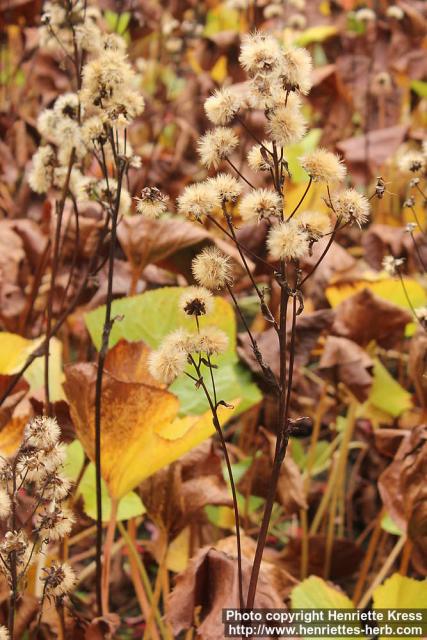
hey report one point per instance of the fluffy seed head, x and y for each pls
(40, 177)
(196, 301)
(395, 12)
(152, 203)
(4, 504)
(180, 340)
(390, 264)
(259, 54)
(59, 579)
(166, 364)
(222, 106)
(259, 204)
(56, 524)
(212, 269)
(4, 633)
(226, 187)
(197, 200)
(365, 15)
(412, 162)
(315, 223)
(67, 106)
(286, 124)
(296, 70)
(216, 145)
(54, 487)
(287, 241)
(258, 158)
(211, 341)
(42, 432)
(323, 166)
(350, 205)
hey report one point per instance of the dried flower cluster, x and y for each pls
(33, 494)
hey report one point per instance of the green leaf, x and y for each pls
(419, 87)
(153, 315)
(321, 460)
(295, 151)
(232, 382)
(117, 22)
(355, 25)
(387, 394)
(130, 506)
(389, 525)
(74, 460)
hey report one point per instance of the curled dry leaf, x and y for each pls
(345, 557)
(344, 361)
(365, 317)
(404, 492)
(417, 365)
(210, 583)
(175, 496)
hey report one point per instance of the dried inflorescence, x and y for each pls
(34, 470)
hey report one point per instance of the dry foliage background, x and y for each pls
(349, 520)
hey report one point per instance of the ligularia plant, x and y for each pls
(33, 496)
(278, 79)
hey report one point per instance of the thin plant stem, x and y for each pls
(301, 200)
(383, 572)
(367, 560)
(108, 323)
(109, 541)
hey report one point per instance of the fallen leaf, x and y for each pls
(344, 361)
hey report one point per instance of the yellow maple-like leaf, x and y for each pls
(389, 289)
(141, 432)
(219, 70)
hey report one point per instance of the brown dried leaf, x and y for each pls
(344, 361)
(365, 317)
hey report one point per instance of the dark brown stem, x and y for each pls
(301, 200)
(233, 166)
(108, 323)
(323, 254)
(54, 271)
(281, 441)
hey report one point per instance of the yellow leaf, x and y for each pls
(389, 289)
(219, 70)
(313, 200)
(179, 551)
(316, 34)
(14, 352)
(400, 592)
(140, 429)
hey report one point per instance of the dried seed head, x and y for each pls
(226, 187)
(196, 301)
(180, 340)
(259, 159)
(365, 15)
(40, 177)
(287, 241)
(222, 106)
(54, 525)
(296, 70)
(391, 264)
(42, 432)
(259, 54)
(4, 504)
(351, 206)
(259, 204)
(59, 579)
(152, 203)
(4, 633)
(166, 364)
(211, 341)
(323, 166)
(197, 200)
(212, 269)
(286, 124)
(315, 223)
(395, 12)
(54, 487)
(216, 145)
(412, 162)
